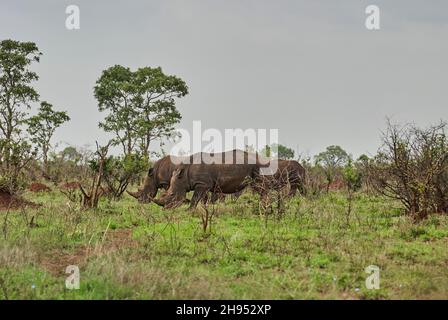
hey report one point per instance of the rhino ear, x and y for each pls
(180, 172)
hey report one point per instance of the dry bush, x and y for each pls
(412, 167)
(315, 181)
(274, 190)
(71, 191)
(89, 196)
(209, 211)
(92, 195)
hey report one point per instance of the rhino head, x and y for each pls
(149, 191)
(177, 192)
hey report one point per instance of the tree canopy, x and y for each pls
(333, 156)
(141, 105)
(331, 160)
(282, 152)
(16, 93)
(42, 126)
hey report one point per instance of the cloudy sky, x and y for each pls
(309, 68)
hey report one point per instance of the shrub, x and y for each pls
(412, 167)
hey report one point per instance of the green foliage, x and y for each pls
(331, 160)
(140, 104)
(266, 151)
(16, 93)
(127, 250)
(12, 175)
(352, 176)
(332, 157)
(16, 96)
(119, 171)
(282, 152)
(42, 126)
(12, 184)
(363, 158)
(71, 154)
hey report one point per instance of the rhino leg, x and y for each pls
(236, 195)
(205, 198)
(292, 190)
(214, 197)
(199, 193)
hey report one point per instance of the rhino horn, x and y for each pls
(136, 195)
(160, 202)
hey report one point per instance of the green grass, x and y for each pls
(139, 251)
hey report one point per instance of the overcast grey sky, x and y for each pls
(309, 68)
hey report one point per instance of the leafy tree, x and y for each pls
(277, 150)
(16, 95)
(282, 151)
(42, 126)
(352, 178)
(362, 166)
(70, 154)
(331, 160)
(141, 105)
(363, 158)
(12, 177)
(266, 151)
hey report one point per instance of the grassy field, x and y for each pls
(127, 250)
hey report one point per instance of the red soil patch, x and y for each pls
(11, 202)
(38, 187)
(56, 262)
(337, 185)
(70, 185)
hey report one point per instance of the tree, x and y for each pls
(42, 126)
(352, 176)
(363, 158)
(70, 154)
(282, 151)
(277, 150)
(12, 177)
(353, 181)
(331, 160)
(141, 105)
(266, 151)
(16, 95)
(362, 166)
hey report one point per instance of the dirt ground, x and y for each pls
(8, 202)
(56, 262)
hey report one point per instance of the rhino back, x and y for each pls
(227, 178)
